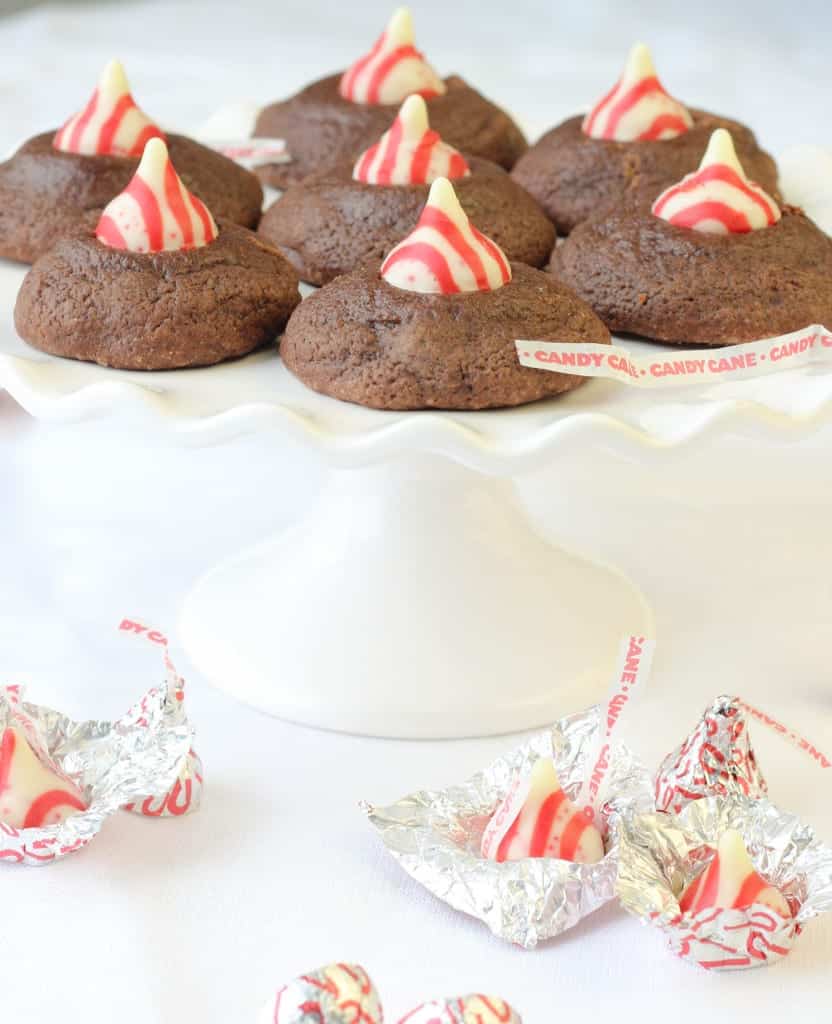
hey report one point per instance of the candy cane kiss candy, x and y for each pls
(730, 881)
(111, 123)
(31, 794)
(547, 824)
(637, 108)
(156, 213)
(393, 69)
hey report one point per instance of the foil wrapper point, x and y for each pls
(435, 836)
(661, 854)
(716, 759)
(115, 763)
(345, 994)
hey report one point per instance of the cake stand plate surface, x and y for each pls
(416, 598)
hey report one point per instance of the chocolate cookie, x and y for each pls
(158, 311)
(322, 129)
(329, 223)
(46, 194)
(573, 176)
(362, 340)
(645, 276)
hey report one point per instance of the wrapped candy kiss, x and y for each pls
(496, 846)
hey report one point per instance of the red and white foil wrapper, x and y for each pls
(436, 835)
(716, 759)
(661, 854)
(683, 367)
(112, 763)
(345, 994)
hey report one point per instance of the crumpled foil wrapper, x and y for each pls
(335, 994)
(716, 759)
(185, 795)
(345, 994)
(436, 836)
(661, 854)
(112, 763)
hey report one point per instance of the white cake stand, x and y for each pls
(416, 599)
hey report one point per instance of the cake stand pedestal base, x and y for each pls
(415, 600)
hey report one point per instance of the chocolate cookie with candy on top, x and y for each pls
(333, 120)
(434, 325)
(636, 138)
(712, 260)
(57, 184)
(331, 222)
(159, 285)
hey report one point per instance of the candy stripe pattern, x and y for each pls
(637, 108)
(335, 994)
(155, 213)
(445, 253)
(548, 824)
(410, 153)
(730, 882)
(718, 198)
(393, 69)
(474, 1009)
(32, 795)
(111, 124)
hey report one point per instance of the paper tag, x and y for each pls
(631, 674)
(664, 369)
(505, 816)
(251, 153)
(788, 734)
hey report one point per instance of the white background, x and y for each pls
(197, 920)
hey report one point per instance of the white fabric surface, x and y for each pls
(198, 919)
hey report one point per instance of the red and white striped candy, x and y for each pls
(475, 1009)
(335, 994)
(718, 198)
(445, 253)
(731, 882)
(393, 69)
(410, 153)
(156, 213)
(31, 794)
(111, 123)
(184, 796)
(637, 108)
(547, 824)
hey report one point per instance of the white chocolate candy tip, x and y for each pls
(156, 213)
(637, 108)
(392, 69)
(409, 153)
(718, 198)
(445, 253)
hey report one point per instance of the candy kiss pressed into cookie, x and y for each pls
(159, 285)
(434, 325)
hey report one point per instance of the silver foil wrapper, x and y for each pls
(112, 763)
(436, 836)
(345, 994)
(716, 759)
(661, 854)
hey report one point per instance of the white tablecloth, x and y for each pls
(196, 920)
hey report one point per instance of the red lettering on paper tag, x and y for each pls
(632, 671)
(735, 362)
(155, 637)
(788, 734)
